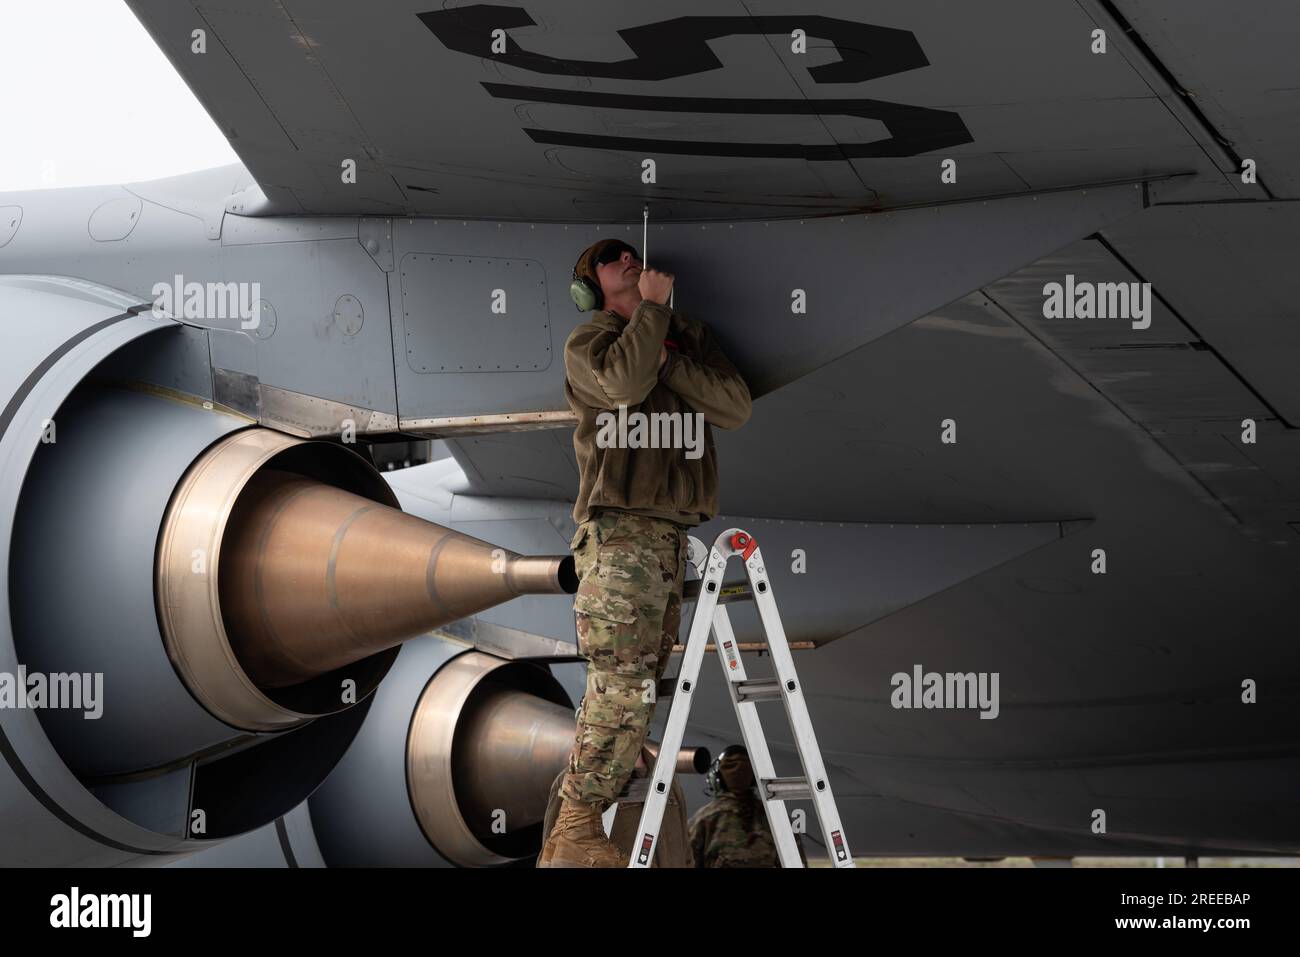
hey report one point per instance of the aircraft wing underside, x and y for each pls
(548, 112)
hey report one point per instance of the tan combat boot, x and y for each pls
(578, 839)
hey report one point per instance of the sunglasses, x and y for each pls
(614, 252)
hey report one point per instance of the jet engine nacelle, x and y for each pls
(205, 606)
(452, 767)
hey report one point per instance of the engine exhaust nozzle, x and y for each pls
(286, 571)
(315, 577)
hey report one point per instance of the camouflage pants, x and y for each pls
(627, 610)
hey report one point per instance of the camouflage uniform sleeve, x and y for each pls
(711, 384)
(606, 369)
(701, 828)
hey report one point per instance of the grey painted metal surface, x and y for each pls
(891, 259)
(1229, 272)
(1190, 397)
(11, 217)
(66, 329)
(524, 464)
(739, 122)
(835, 578)
(160, 802)
(299, 270)
(176, 361)
(362, 814)
(288, 841)
(88, 526)
(474, 314)
(309, 367)
(503, 642)
(1237, 70)
(1184, 108)
(114, 219)
(844, 575)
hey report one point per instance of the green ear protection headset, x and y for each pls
(586, 295)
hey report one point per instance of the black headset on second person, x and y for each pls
(714, 783)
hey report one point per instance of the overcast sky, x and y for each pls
(87, 98)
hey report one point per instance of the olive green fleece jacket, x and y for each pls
(611, 362)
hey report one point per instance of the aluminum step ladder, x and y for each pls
(711, 618)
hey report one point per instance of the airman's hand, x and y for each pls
(663, 356)
(655, 285)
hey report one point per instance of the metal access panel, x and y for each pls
(466, 313)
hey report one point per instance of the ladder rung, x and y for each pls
(787, 789)
(735, 591)
(758, 646)
(758, 689)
